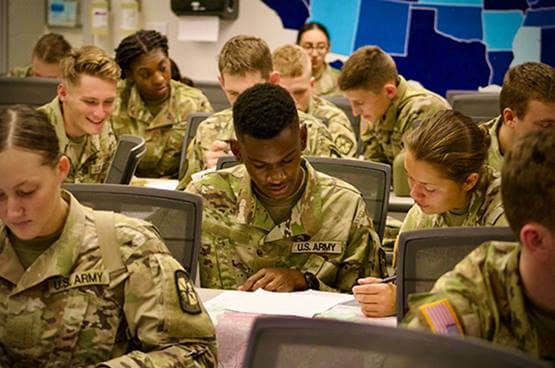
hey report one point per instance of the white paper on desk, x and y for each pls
(198, 28)
(301, 303)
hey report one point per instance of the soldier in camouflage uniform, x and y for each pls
(314, 38)
(80, 111)
(503, 292)
(293, 65)
(527, 102)
(80, 288)
(274, 222)
(387, 103)
(243, 62)
(46, 56)
(151, 105)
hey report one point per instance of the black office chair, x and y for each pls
(214, 93)
(425, 255)
(177, 215)
(129, 152)
(28, 91)
(372, 179)
(480, 106)
(279, 342)
(193, 121)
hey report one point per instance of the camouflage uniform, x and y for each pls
(90, 156)
(220, 126)
(328, 232)
(326, 83)
(164, 132)
(21, 72)
(382, 140)
(67, 310)
(486, 293)
(495, 158)
(484, 209)
(338, 124)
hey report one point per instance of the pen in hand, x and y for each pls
(388, 279)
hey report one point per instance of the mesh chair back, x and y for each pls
(343, 103)
(277, 342)
(480, 106)
(372, 179)
(193, 121)
(129, 152)
(177, 215)
(29, 91)
(214, 93)
(425, 255)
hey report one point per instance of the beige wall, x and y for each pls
(197, 60)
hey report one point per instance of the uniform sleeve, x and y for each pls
(167, 322)
(343, 134)
(319, 140)
(108, 147)
(371, 147)
(463, 289)
(195, 163)
(364, 255)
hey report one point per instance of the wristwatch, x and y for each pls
(312, 281)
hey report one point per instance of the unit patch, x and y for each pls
(188, 298)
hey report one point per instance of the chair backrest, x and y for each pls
(480, 106)
(29, 91)
(279, 342)
(177, 215)
(343, 103)
(425, 255)
(214, 93)
(193, 121)
(372, 179)
(129, 152)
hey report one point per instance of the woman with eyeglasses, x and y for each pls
(315, 39)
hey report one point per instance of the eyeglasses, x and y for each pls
(320, 47)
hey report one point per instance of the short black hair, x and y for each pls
(139, 43)
(312, 25)
(263, 111)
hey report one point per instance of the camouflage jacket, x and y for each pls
(495, 158)
(485, 291)
(338, 124)
(90, 156)
(326, 83)
(382, 139)
(67, 310)
(164, 132)
(21, 72)
(220, 126)
(329, 232)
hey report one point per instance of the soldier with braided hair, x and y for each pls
(152, 105)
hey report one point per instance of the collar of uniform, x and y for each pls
(10, 267)
(58, 260)
(137, 109)
(389, 119)
(488, 183)
(305, 216)
(92, 143)
(493, 131)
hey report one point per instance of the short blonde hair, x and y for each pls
(291, 61)
(244, 54)
(89, 60)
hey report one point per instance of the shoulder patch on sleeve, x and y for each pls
(188, 298)
(441, 318)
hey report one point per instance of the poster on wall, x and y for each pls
(62, 13)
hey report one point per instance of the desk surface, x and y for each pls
(233, 328)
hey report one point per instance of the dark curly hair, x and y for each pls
(139, 43)
(263, 111)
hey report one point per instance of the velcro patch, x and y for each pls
(335, 247)
(441, 318)
(188, 298)
(88, 278)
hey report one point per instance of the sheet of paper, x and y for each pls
(303, 303)
(198, 28)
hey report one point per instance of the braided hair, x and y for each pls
(137, 44)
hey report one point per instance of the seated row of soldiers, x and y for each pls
(263, 222)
